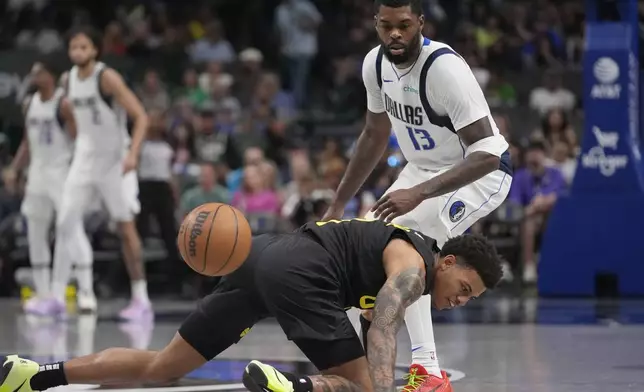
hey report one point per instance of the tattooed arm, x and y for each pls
(405, 284)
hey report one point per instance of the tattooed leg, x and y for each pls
(334, 384)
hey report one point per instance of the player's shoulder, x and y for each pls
(371, 56)
(445, 58)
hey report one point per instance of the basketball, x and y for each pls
(214, 239)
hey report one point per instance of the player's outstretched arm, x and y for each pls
(404, 285)
(112, 83)
(370, 146)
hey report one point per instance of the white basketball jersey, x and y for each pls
(101, 123)
(426, 138)
(50, 146)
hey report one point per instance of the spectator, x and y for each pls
(499, 92)
(556, 127)
(113, 41)
(269, 94)
(224, 101)
(255, 195)
(191, 89)
(298, 22)
(562, 159)
(213, 46)
(537, 188)
(552, 95)
(253, 156)
(152, 92)
(141, 42)
(248, 75)
(156, 186)
(211, 145)
(361, 203)
(212, 72)
(208, 191)
(347, 92)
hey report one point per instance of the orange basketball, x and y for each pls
(214, 239)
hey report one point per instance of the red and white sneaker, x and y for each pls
(418, 380)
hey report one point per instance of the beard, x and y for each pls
(410, 51)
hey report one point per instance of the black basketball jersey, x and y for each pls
(357, 246)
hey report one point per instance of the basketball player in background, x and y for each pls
(105, 159)
(458, 167)
(47, 146)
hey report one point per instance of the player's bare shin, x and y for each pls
(475, 165)
(370, 146)
(334, 384)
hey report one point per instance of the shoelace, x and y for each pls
(414, 381)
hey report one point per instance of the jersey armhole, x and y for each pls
(108, 99)
(379, 67)
(434, 118)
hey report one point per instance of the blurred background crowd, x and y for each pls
(259, 105)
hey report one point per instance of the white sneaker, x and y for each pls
(86, 302)
(530, 273)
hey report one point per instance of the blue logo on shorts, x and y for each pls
(456, 211)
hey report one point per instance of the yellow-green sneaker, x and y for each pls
(16, 373)
(259, 377)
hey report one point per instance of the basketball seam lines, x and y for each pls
(185, 247)
(205, 251)
(232, 251)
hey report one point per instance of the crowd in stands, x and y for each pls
(235, 102)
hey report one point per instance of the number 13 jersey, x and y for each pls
(427, 103)
(101, 122)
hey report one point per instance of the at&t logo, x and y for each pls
(606, 72)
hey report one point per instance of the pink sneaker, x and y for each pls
(46, 307)
(137, 311)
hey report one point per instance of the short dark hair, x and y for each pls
(476, 252)
(416, 5)
(51, 66)
(536, 145)
(93, 34)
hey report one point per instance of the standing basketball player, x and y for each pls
(48, 147)
(104, 166)
(458, 167)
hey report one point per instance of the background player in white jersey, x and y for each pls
(458, 167)
(104, 166)
(47, 146)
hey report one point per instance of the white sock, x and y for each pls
(418, 319)
(140, 290)
(85, 278)
(42, 280)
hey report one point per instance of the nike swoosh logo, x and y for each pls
(414, 349)
(387, 81)
(17, 389)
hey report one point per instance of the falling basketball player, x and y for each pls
(305, 280)
(104, 166)
(47, 146)
(458, 167)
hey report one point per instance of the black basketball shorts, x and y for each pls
(294, 279)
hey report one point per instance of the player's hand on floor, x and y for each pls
(396, 203)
